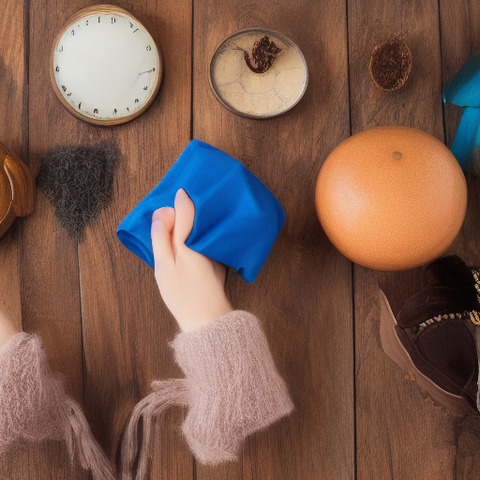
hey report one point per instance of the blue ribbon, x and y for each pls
(464, 91)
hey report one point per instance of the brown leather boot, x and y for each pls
(433, 336)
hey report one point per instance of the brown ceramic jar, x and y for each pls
(17, 189)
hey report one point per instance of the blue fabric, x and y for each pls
(464, 91)
(237, 219)
(467, 137)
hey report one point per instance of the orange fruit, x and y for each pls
(391, 198)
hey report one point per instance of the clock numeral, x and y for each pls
(61, 49)
(128, 109)
(146, 87)
(148, 48)
(137, 100)
(147, 71)
(80, 106)
(113, 20)
(86, 22)
(114, 111)
(64, 88)
(69, 94)
(131, 24)
(98, 19)
(73, 33)
(57, 69)
(136, 30)
(95, 111)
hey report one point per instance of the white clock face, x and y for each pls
(106, 66)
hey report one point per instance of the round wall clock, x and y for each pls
(105, 66)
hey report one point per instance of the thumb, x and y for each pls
(184, 217)
(163, 221)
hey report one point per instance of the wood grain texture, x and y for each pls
(305, 307)
(460, 38)
(124, 319)
(31, 277)
(12, 131)
(400, 434)
(49, 275)
(97, 307)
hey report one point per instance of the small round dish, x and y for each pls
(273, 91)
(105, 66)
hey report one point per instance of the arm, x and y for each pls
(231, 384)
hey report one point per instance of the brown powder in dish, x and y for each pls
(264, 52)
(390, 64)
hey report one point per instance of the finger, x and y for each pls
(163, 221)
(184, 217)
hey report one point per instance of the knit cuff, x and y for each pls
(235, 388)
(29, 394)
(34, 406)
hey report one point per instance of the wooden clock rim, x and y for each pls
(85, 12)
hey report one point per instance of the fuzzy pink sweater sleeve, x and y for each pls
(34, 406)
(29, 394)
(231, 388)
(234, 387)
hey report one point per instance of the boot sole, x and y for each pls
(394, 349)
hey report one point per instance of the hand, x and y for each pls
(191, 284)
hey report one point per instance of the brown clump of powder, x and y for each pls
(390, 63)
(264, 52)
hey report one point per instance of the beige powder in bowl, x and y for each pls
(258, 95)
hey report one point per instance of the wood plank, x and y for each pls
(124, 319)
(399, 433)
(12, 134)
(35, 242)
(303, 293)
(50, 288)
(460, 35)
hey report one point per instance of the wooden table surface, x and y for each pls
(97, 307)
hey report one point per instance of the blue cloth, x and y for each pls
(464, 91)
(237, 219)
(467, 137)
